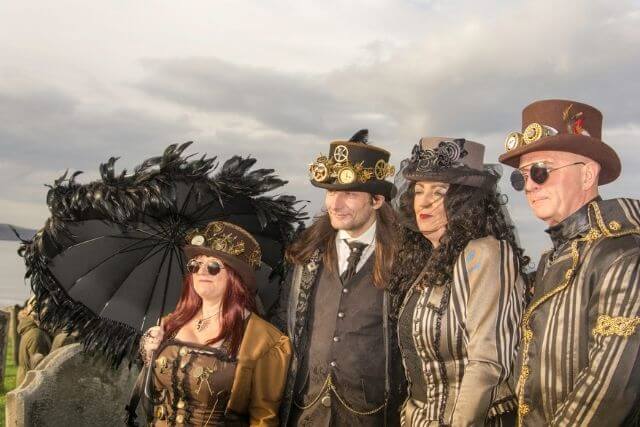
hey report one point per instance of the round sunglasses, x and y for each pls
(213, 267)
(539, 173)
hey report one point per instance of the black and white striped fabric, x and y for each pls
(582, 366)
(463, 339)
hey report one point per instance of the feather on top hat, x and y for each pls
(562, 125)
(354, 165)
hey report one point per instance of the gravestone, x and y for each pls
(70, 388)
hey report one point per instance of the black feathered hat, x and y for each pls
(354, 165)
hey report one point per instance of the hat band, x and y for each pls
(225, 238)
(339, 168)
(447, 154)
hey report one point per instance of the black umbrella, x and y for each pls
(108, 262)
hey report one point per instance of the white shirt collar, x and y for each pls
(368, 237)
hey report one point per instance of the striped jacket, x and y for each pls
(459, 341)
(579, 359)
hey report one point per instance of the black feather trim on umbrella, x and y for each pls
(142, 218)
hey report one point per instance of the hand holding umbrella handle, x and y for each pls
(156, 334)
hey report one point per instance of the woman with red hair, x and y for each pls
(217, 362)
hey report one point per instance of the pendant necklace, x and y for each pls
(204, 322)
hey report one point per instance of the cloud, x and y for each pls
(320, 72)
(49, 128)
(288, 102)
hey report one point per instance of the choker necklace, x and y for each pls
(204, 322)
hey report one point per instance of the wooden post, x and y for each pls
(4, 329)
(14, 333)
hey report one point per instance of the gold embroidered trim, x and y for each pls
(593, 235)
(615, 225)
(620, 326)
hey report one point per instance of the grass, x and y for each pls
(9, 379)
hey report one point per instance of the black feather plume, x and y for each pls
(361, 136)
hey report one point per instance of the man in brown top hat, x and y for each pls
(335, 305)
(579, 356)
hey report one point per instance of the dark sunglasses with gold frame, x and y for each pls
(213, 267)
(538, 172)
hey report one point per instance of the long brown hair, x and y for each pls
(235, 300)
(322, 236)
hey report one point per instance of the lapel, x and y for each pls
(308, 280)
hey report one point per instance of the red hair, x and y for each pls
(236, 299)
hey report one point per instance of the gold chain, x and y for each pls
(329, 386)
(315, 400)
(593, 235)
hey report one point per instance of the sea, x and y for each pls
(13, 287)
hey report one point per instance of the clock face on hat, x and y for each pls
(346, 175)
(197, 240)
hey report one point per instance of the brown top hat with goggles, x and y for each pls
(561, 125)
(229, 242)
(354, 165)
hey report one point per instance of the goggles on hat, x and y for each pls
(539, 173)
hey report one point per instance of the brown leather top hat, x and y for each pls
(229, 242)
(452, 160)
(561, 125)
(354, 165)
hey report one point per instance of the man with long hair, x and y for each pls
(579, 358)
(334, 304)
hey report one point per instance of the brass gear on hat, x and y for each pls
(341, 154)
(380, 169)
(319, 172)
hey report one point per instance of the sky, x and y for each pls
(83, 81)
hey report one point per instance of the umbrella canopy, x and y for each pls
(108, 263)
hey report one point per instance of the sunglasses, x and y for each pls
(539, 173)
(213, 267)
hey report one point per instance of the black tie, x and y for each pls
(356, 249)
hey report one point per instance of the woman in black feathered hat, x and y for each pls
(459, 287)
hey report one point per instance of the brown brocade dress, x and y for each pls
(192, 386)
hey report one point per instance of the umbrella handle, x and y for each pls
(152, 359)
(147, 380)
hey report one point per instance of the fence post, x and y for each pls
(4, 329)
